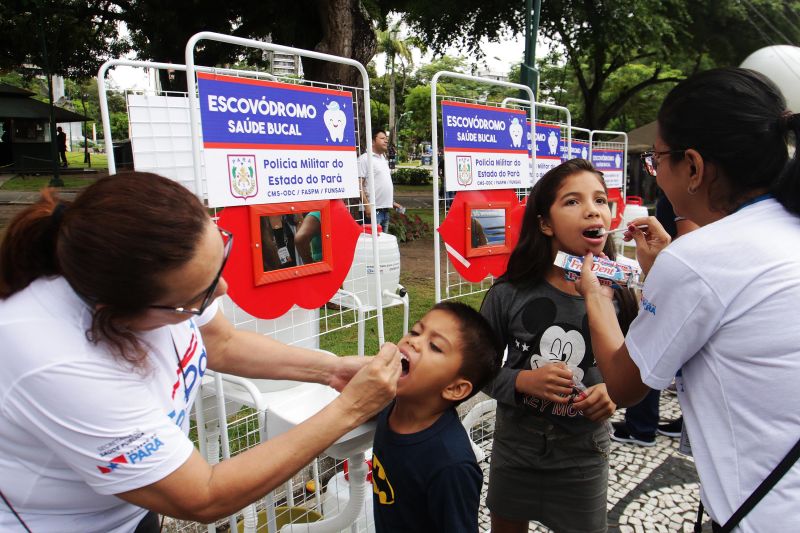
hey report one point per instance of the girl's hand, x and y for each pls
(344, 369)
(588, 284)
(551, 382)
(649, 242)
(597, 404)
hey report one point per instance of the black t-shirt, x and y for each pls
(426, 481)
(539, 325)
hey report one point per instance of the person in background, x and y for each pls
(109, 318)
(720, 304)
(61, 145)
(384, 189)
(641, 420)
(308, 239)
(424, 473)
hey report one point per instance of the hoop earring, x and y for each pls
(691, 191)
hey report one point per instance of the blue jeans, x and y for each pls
(642, 419)
(382, 219)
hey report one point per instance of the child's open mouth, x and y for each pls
(594, 233)
(406, 365)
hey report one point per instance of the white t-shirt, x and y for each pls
(78, 425)
(721, 303)
(384, 189)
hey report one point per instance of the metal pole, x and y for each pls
(529, 75)
(56, 180)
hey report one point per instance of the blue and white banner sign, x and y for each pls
(580, 149)
(484, 148)
(609, 162)
(266, 142)
(548, 141)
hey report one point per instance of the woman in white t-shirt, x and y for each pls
(721, 303)
(108, 321)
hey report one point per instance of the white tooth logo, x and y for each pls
(617, 162)
(584, 153)
(335, 120)
(552, 142)
(515, 130)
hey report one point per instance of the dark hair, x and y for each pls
(377, 131)
(532, 257)
(480, 349)
(111, 245)
(737, 119)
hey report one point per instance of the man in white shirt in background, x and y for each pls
(384, 189)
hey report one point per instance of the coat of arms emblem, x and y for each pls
(242, 176)
(464, 169)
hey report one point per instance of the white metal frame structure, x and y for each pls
(103, 97)
(624, 144)
(435, 148)
(542, 105)
(191, 86)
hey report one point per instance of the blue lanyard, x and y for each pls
(755, 200)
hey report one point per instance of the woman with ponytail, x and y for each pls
(108, 321)
(721, 303)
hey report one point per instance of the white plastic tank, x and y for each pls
(361, 278)
(337, 494)
(633, 210)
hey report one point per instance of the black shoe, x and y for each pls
(621, 434)
(671, 429)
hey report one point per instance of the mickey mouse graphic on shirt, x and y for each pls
(553, 342)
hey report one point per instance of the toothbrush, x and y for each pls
(622, 230)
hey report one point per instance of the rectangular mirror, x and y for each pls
(290, 240)
(487, 229)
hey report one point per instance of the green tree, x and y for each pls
(397, 50)
(628, 51)
(160, 30)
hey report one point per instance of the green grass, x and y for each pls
(418, 189)
(421, 299)
(75, 160)
(37, 183)
(425, 214)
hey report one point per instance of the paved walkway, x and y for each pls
(651, 489)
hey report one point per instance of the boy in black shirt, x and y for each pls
(424, 473)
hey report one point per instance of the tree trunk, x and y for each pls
(392, 106)
(347, 32)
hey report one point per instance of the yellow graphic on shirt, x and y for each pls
(380, 483)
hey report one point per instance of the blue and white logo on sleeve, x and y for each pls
(483, 147)
(276, 142)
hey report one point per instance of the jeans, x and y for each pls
(382, 219)
(642, 418)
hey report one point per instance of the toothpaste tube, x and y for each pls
(616, 275)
